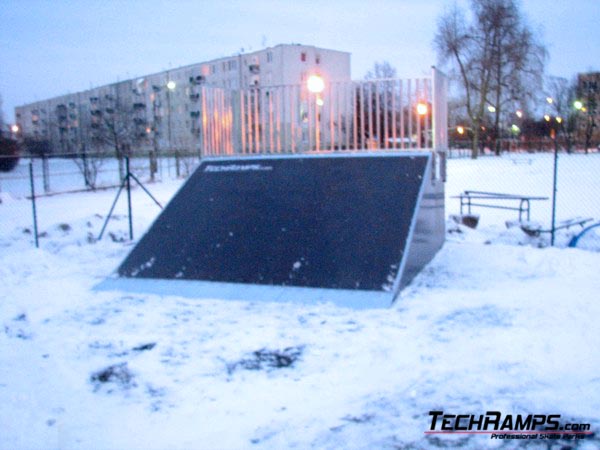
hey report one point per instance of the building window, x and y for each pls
(213, 68)
(318, 59)
(232, 65)
(269, 56)
(303, 56)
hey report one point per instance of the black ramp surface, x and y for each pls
(311, 221)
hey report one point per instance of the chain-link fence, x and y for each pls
(560, 188)
(64, 198)
(42, 198)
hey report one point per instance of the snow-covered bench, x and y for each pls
(497, 200)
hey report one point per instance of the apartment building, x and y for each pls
(165, 110)
(588, 93)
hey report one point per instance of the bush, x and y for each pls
(9, 154)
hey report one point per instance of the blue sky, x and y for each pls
(53, 47)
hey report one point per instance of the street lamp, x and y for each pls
(578, 104)
(422, 109)
(14, 128)
(170, 87)
(316, 85)
(519, 113)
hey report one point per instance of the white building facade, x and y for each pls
(168, 111)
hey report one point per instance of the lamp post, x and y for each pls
(171, 85)
(422, 111)
(554, 136)
(316, 85)
(154, 130)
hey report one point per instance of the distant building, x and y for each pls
(588, 92)
(164, 109)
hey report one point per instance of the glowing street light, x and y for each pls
(460, 129)
(550, 100)
(491, 108)
(171, 85)
(519, 113)
(515, 129)
(559, 119)
(578, 104)
(15, 128)
(546, 117)
(315, 84)
(421, 109)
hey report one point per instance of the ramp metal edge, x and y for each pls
(204, 290)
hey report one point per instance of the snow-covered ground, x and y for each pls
(498, 321)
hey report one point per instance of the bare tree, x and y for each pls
(115, 125)
(381, 70)
(563, 93)
(376, 101)
(495, 57)
(518, 62)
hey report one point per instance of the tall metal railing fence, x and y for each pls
(383, 114)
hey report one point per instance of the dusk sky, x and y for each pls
(54, 47)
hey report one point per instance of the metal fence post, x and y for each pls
(554, 183)
(32, 184)
(128, 180)
(46, 172)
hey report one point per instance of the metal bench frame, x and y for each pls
(466, 198)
